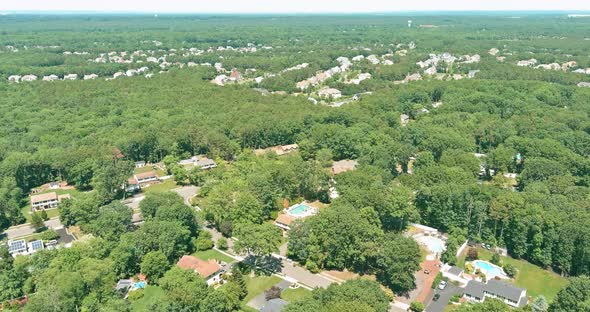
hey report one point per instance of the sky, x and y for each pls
(294, 6)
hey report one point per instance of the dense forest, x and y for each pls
(451, 166)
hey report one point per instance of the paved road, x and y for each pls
(304, 276)
(259, 301)
(27, 229)
(133, 202)
(445, 296)
(187, 192)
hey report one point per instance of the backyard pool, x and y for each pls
(301, 210)
(489, 269)
(434, 244)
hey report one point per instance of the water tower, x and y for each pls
(409, 23)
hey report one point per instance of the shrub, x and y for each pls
(416, 306)
(437, 280)
(510, 270)
(48, 235)
(312, 266)
(495, 259)
(222, 243)
(44, 215)
(472, 254)
(273, 293)
(203, 242)
(135, 295)
(455, 298)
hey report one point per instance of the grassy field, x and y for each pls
(257, 285)
(293, 295)
(213, 254)
(165, 186)
(536, 280)
(151, 294)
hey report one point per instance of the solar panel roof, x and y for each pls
(36, 245)
(17, 246)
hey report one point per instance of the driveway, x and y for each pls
(187, 192)
(260, 301)
(445, 296)
(27, 229)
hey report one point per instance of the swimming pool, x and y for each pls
(301, 210)
(489, 269)
(434, 244)
(138, 285)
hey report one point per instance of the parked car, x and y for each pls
(436, 297)
(442, 285)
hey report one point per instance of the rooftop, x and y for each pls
(146, 175)
(204, 268)
(43, 197)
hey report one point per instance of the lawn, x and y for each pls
(151, 295)
(165, 186)
(213, 254)
(26, 210)
(296, 294)
(536, 280)
(257, 285)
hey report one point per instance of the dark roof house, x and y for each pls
(510, 294)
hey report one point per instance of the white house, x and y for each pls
(508, 293)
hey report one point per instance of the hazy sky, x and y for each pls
(307, 6)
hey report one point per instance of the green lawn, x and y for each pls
(165, 186)
(257, 285)
(536, 280)
(213, 254)
(151, 294)
(293, 295)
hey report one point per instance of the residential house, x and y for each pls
(14, 78)
(285, 149)
(343, 166)
(526, 63)
(508, 293)
(235, 75)
(302, 85)
(404, 119)
(50, 78)
(584, 84)
(71, 77)
(493, 51)
(146, 177)
(17, 247)
(47, 200)
(274, 305)
(330, 93)
(90, 77)
(205, 163)
(430, 71)
(413, 77)
(28, 78)
(220, 80)
(284, 221)
(209, 270)
(35, 246)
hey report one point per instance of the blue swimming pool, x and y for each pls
(489, 269)
(299, 210)
(138, 285)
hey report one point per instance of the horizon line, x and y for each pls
(17, 12)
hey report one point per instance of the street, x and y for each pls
(27, 229)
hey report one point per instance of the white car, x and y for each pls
(442, 285)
